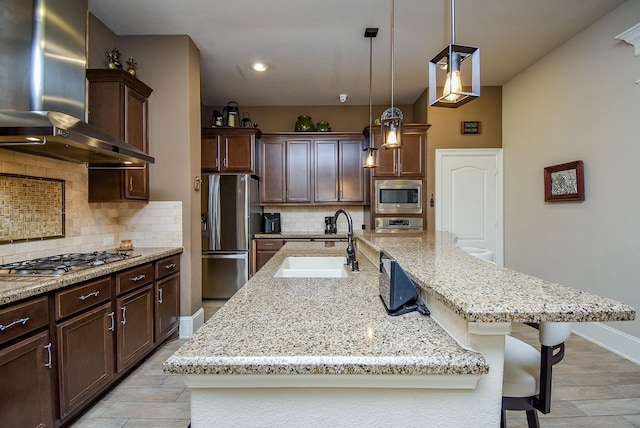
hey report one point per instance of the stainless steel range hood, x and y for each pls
(42, 103)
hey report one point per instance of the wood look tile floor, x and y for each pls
(592, 387)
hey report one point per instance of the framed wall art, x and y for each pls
(564, 182)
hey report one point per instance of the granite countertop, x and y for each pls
(480, 291)
(13, 289)
(300, 235)
(319, 326)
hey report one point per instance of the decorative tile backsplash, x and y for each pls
(32, 208)
(310, 218)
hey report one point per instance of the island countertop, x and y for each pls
(480, 291)
(312, 326)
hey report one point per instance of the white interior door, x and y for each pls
(469, 197)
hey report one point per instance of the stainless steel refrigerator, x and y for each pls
(231, 215)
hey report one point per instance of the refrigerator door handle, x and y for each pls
(214, 212)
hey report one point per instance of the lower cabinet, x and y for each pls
(60, 351)
(85, 357)
(134, 326)
(167, 306)
(26, 398)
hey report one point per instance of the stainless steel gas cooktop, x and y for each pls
(61, 264)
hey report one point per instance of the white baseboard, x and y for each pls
(614, 340)
(188, 325)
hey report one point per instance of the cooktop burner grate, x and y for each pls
(61, 264)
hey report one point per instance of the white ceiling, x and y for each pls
(316, 48)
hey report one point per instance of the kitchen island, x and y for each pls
(323, 351)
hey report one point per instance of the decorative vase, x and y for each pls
(323, 127)
(304, 124)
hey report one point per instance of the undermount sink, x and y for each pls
(313, 267)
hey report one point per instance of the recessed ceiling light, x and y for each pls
(259, 66)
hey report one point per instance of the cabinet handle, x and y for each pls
(159, 295)
(170, 266)
(217, 163)
(131, 184)
(124, 315)
(48, 348)
(22, 321)
(86, 296)
(138, 278)
(225, 162)
(113, 321)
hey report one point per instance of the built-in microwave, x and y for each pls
(398, 197)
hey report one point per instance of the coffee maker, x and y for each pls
(329, 225)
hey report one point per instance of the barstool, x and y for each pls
(526, 384)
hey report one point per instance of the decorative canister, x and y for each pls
(304, 124)
(323, 127)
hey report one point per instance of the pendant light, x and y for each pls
(450, 60)
(370, 160)
(391, 119)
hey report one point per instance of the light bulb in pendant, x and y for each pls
(393, 139)
(453, 84)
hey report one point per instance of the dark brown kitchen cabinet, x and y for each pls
(26, 371)
(118, 104)
(134, 326)
(407, 161)
(338, 172)
(167, 297)
(134, 315)
(231, 150)
(264, 250)
(285, 170)
(85, 357)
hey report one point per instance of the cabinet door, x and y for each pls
(85, 357)
(238, 153)
(136, 124)
(210, 154)
(298, 181)
(25, 383)
(136, 183)
(387, 159)
(135, 326)
(351, 171)
(272, 171)
(326, 171)
(412, 154)
(167, 306)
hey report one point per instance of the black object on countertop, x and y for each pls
(271, 222)
(397, 292)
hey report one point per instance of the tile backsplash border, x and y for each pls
(153, 224)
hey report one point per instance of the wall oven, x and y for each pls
(398, 197)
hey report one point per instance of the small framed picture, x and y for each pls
(564, 182)
(470, 127)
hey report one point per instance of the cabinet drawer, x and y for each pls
(167, 266)
(269, 244)
(134, 278)
(82, 297)
(22, 318)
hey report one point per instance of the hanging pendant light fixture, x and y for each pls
(370, 160)
(391, 119)
(450, 60)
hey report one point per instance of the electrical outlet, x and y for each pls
(107, 241)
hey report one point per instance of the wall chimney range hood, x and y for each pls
(41, 105)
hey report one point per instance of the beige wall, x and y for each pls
(342, 118)
(578, 102)
(171, 66)
(445, 131)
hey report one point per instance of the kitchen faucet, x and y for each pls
(351, 252)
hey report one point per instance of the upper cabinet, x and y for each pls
(118, 104)
(230, 150)
(407, 161)
(285, 170)
(312, 168)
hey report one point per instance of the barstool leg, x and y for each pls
(532, 418)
